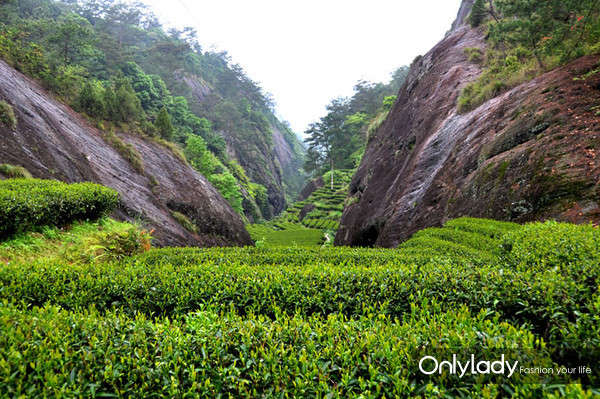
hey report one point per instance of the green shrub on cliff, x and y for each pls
(7, 115)
(126, 150)
(478, 13)
(526, 38)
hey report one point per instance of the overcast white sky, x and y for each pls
(308, 52)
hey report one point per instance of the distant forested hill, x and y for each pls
(115, 63)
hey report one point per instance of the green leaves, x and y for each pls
(29, 203)
(305, 322)
(478, 13)
(72, 38)
(527, 38)
(208, 354)
(205, 162)
(164, 125)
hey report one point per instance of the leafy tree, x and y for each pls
(229, 189)
(478, 13)
(389, 102)
(551, 27)
(338, 140)
(91, 99)
(163, 124)
(199, 156)
(111, 104)
(128, 106)
(151, 96)
(217, 174)
(69, 81)
(73, 37)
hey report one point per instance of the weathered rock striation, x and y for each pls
(528, 154)
(54, 142)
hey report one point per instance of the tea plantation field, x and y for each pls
(298, 322)
(310, 222)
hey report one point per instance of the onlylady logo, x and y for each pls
(430, 365)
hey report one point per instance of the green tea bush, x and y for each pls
(210, 355)
(29, 203)
(304, 322)
(552, 245)
(486, 227)
(169, 284)
(287, 235)
(534, 283)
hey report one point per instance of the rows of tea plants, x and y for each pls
(283, 234)
(289, 320)
(304, 322)
(208, 354)
(31, 203)
(320, 212)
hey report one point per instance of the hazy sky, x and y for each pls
(306, 53)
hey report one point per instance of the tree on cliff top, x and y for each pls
(73, 38)
(478, 13)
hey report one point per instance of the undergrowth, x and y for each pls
(14, 172)
(82, 242)
(7, 115)
(126, 150)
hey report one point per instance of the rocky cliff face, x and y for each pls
(257, 158)
(271, 159)
(463, 12)
(528, 154)
(310, 188)
(54, 142)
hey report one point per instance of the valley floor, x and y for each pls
(297, 321)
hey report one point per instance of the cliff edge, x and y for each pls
(528, 154)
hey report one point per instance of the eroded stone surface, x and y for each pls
(54, 142)
(529, 154)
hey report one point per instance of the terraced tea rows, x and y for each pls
(323, 208)
(301, 223)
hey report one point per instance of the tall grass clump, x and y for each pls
(7, 115)
(14, 172)
(126, 150)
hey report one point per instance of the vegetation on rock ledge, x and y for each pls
(526, 38)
